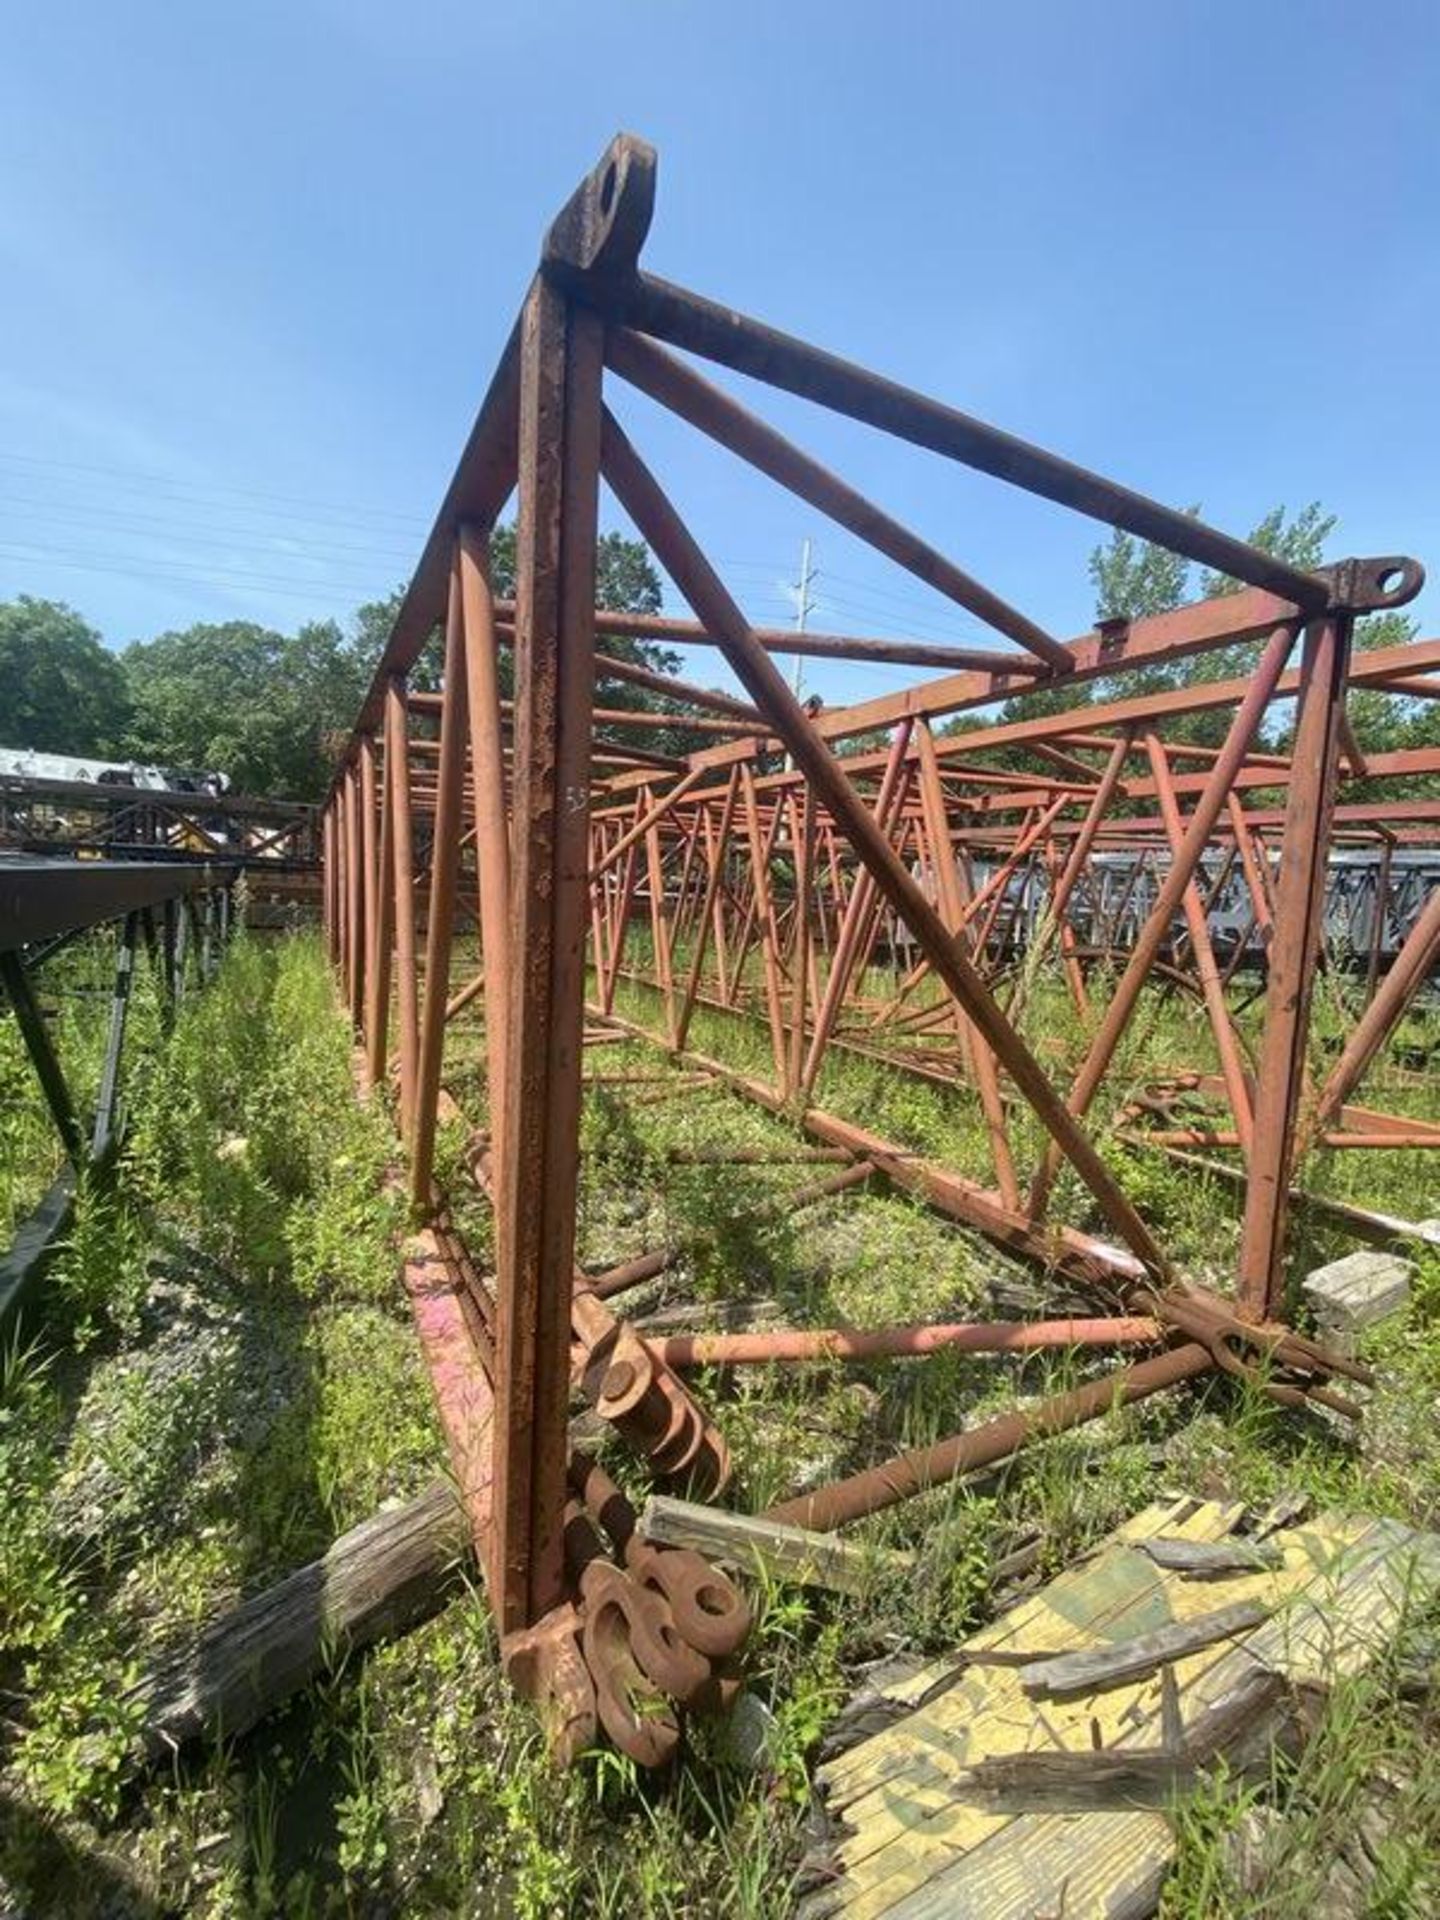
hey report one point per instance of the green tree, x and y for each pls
(264, 707)
(626, 581)
(1386, 722)
(63, 692)
(1133, 578)
(1299, 543)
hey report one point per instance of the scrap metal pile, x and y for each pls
(851, 878)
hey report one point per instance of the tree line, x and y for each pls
(1133, 579)
(273, 709)
(270, 709)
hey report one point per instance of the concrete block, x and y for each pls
(1357, 1291)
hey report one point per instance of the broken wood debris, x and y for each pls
(1211, 1559)
(1107, 1666)
(973, 1798)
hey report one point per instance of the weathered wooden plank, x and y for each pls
(1074, 1606)
(922, 1819)
(750, 1544)
(1131, 1776)
(387, 1574)
(1106, 1667)
(1209, 1559)
(930, 1835)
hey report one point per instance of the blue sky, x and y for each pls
(259, 261)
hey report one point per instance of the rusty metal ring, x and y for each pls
(660, 1650)
(708, 1608)
(632, 1710)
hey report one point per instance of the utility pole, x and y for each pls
(804, 605)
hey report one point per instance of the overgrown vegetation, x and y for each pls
(246, 1383)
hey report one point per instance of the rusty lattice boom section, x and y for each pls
(766, 874)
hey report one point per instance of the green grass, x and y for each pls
(245, 1383)
(73, 990)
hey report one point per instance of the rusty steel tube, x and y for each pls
(609, 668)
(755, 1156)
(354, 898)
(949, 898)
(1294, 952)
(1378, 1140)
(686, 319)
(369, 856)
(855, 1175)
(492, 833)
(653, 815)
(444, 881)
(710, 915)
(407, 991)
(382, 940)
(1410, 967)
(630, 1273)
(674, 385)
(825, 646)
(911, 1473)
(857, 908)
(844, 1343)
(1147, 946)
(1227, 1047)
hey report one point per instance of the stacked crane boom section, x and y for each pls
(902, 879)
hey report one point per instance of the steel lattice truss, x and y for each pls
(784, 870)
(43, 816)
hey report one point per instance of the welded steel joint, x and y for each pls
(1286, 1366)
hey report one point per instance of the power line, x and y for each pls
(175, 572)
(87, 515)
(804, 604)
(922, 618)
(183, 487)
(931, 609)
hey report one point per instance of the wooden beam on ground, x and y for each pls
(752, 1545)
(381, 1578)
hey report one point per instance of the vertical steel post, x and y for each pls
(1410, 968)
(1127, 993)
(711, 911)
(407, 991)
(107, 1103)
(760, 849)
(559, 463)
(354, 897)
(1232, 1067)
(43, 1057)
(369, 856)
(444, 879)
(382, 937)
(492, 827)
(857, 909)
(659, 927)
(1294, 951)
(802, 835)
(951, 907)
(1379, 915)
